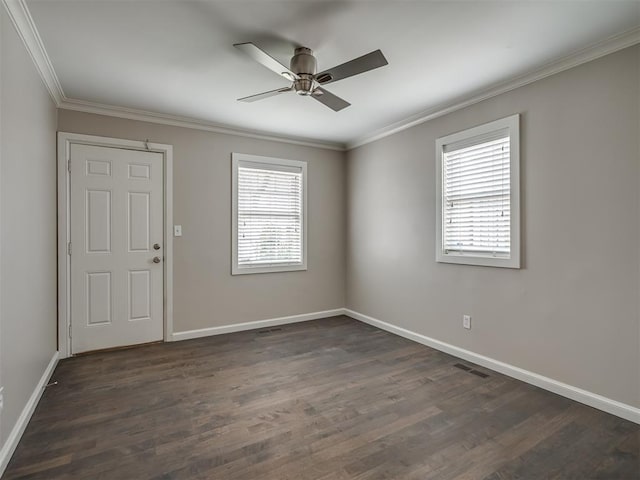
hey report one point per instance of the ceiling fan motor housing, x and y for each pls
(304, 64)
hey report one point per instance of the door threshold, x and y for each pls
(116, 349)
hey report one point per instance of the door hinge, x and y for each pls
(69, 164)
(69, 248)
(69, 331)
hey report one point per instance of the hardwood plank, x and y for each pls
(329, 399)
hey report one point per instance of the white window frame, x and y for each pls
(512, 125)
(237, 160)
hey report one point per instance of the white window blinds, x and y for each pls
(269, 215)
(476, 196)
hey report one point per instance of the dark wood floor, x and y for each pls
(326, 400)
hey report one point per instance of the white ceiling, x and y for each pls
(176, 57)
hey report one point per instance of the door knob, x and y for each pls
(156, 259)
(156, 246)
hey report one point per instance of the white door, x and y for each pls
(116, 247)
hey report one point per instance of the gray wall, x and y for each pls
(205, 292)
(571, 313)
(28, 226)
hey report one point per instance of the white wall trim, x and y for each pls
(275, 164)
(584, 55)
(65, 140)
(22, 20)
(23, 420)
(511, 126)
(592, 52)
(271, 322)
(594, 400)
(186, 122)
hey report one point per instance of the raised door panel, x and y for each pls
(98, 221)
(139, 171)
(98, 301)
(139, 295)
(98, 168)
(139, 221)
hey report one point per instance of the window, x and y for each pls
(269, 214)
(477, 216)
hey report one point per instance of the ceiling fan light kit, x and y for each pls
(302, 73)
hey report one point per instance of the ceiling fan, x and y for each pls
(302, 73)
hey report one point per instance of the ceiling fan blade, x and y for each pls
(265, 59)
(260, 96)
(354, 67)
(332, 101)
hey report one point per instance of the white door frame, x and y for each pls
(65, 140)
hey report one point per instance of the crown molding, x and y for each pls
(26, 28)
(584, 55)
(187, 122)
(21, 18)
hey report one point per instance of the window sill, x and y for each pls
(267, 269)
(478, 260)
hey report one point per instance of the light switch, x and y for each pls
(177, 230)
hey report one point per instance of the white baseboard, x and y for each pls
(23, 420)
(239, 327)
(608, 405)
(605, 404)
(594, 400)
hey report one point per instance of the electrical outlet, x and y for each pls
(466, 321)
(177, 230)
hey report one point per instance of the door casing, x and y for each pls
(65, 140)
